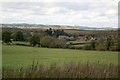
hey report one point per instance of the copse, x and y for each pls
(34, 40)
(19, 36)
(61, 43)
(6, 37)
(56, 33)
(52, 42)
(47, 41)
(49, 31)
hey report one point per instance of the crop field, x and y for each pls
(22, 56)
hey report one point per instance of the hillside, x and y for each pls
(52, 26)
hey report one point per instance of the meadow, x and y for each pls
(22, 56)
(20, 42)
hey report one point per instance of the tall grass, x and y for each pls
(70, 70)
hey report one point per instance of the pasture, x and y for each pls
(22, 56)
(20, 42)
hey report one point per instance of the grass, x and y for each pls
(20, 42)
(70, 70)
(22, 56)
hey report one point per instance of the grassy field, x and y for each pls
(21, 56)
(82, 31)
(20, 42)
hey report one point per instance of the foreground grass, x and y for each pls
(70, 70)
(22, 56)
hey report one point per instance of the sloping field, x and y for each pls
(21, 56)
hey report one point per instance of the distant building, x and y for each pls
(81, 38)
(65, 37)
(92, 39)
(32, 33)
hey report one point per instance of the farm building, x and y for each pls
(81, 38)
(92, 39)
(65, 37)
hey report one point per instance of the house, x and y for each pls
(65, 37)
(81, 38)
(32, 33)
(92, 39)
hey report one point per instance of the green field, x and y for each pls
(83, 31)
(18, 42)
(22, 56)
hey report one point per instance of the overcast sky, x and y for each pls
(96, 13)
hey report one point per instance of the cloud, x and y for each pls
(71, 13)
(111, 12)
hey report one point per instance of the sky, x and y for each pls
(92, 13)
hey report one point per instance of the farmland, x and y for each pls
(21, 56)
(80, 53)
(18, 42)
(59, 39)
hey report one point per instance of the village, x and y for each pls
(71, 38)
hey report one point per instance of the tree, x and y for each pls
(6, 36)
(52, 42)
(59, 32)
(49, 31)
(19, 36)
(92, 45)
(47, 41)
(34, 40)
(55, 33)
(109, 43)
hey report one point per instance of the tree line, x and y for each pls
(48, 38)
(36, 39)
